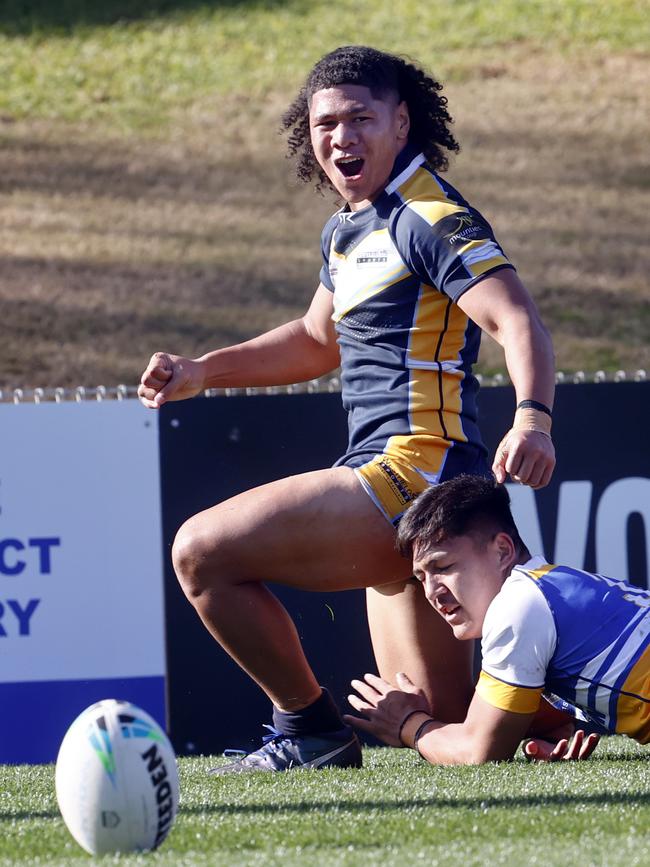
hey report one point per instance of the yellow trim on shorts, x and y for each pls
(505, 696)
(394, 479)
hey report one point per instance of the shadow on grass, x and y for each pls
(24, 17)
(507, 802)
(29, 814)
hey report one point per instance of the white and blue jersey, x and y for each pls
(582, 636)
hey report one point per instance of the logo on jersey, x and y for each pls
(345, 216)
(464, 227)
(371, 257)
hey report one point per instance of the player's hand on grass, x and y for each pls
(527, 456)
(575, 748)
(170, 377)
(384, 707)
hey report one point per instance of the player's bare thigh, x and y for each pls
(315, 531)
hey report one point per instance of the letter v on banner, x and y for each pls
(524, 511)
(573, 509)
(572, 527)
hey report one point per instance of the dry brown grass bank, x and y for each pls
(113, 247)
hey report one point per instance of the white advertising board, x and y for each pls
(81, 580)
(616, 505)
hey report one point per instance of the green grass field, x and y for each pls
(396, 811)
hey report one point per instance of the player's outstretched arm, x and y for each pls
(303, 349)
(398, 715)
(502, 307)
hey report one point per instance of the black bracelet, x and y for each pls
(403, 723)
(419, 734)
(534, 404)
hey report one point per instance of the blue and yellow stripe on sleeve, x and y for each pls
(507, 696)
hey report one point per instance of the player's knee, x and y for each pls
(194, 560)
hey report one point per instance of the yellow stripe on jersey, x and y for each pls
(428, 323)
(426, 197)
(433, 212)
(425, 396)
(505, 696)
(536, 574)
(453, 341)
(481, 256)
(633, 714)
(429, 392)
(424, 403)
(436, 319)
(438, 335)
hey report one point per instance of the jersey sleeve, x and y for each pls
(450, 251)
(519, 639)
(325, 245)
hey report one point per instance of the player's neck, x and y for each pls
(523, 556)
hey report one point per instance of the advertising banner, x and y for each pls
(81, 592)
(595, 514)
(93, 492)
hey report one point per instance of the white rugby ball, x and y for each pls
(116, 779)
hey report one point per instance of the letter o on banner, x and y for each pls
(619, 501)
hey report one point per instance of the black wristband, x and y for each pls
(419, 734)
(404, 721)
(534, 404)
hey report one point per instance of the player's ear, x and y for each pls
(504, 548)
(403, 120)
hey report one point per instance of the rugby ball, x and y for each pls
(116, 779)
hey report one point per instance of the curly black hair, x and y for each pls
(382, 73)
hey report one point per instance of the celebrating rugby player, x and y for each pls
(411, 274)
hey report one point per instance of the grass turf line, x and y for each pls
(64, 61)
(395, 810)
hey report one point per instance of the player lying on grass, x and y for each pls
(582, 636)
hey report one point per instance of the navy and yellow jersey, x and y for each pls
(396, 269)
(581, 636)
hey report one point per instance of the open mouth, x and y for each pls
(350, 167)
